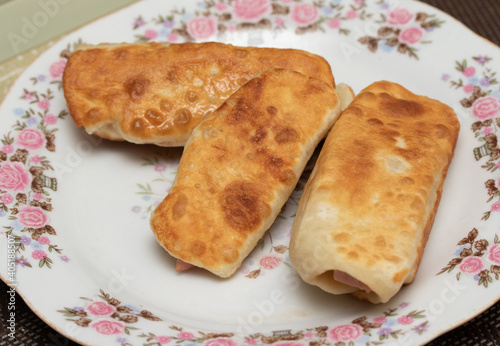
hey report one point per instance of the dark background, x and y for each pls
(481, 16)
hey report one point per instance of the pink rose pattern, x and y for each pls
(32, 217)
(221, 342)
(31, 139)
(221, 6)
(185, 336)
(479, 259)
(251, 10)
(405, 320)
(109, 316)
(108, 327)
(494, 254)
(56, 69)
(14, 177)
(50, 119)
(486, 107)
(481, 100)
(399, 16)
(221, 17)
(411, 35)
(26, 175)
(202, 27)
(346, 332)
(401, 31)
(7, 149)
(471, 265)
(100, 309)
(472, 259)
(270, 262)
(304, 14)
(7, 198)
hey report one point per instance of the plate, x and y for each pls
(75, 209)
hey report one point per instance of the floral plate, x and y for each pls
(74, 209)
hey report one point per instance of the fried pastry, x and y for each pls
(240, 166)
(367, 209)
(157, 93)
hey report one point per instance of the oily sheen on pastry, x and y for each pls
(240, 166)
(368, 207)
(157, 93)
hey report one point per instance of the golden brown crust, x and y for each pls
(157, 93)
(240, 166)
(374, 192)
(346, 95)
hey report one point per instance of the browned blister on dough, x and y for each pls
(157, 93)
(365, 216)
(240, 166)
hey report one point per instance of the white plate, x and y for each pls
(96, 273)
